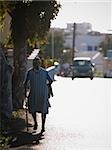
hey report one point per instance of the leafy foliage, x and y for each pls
(31, 19)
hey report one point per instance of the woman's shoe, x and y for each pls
(42, 130)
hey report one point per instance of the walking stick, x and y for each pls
(26, 104)
(26, 108)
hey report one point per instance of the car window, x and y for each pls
(82, 63)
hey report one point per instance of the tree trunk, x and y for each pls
(20, 45)
(19, 72)
(0, 91)
(5, 89)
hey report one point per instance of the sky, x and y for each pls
(96, 12)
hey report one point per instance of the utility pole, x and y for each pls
(73, 44)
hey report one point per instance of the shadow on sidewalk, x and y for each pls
(19, 135)
(25, 138)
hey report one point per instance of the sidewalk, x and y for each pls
(20, 137)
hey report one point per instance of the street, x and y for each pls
(45, 38)
(80, 115)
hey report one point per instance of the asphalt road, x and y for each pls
(79, 117)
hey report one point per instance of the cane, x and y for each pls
(26, 104)
(26, 108)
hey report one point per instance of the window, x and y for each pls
(89, 48)
(95, 48)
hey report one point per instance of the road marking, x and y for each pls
(96, 55)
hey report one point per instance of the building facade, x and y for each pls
(85, 38)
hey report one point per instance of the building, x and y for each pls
(85, 38)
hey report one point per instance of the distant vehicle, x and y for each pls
(82, 67)
(107, 64)
(65, 69)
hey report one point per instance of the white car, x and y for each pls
(82, 67)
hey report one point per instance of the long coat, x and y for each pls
(38, 97)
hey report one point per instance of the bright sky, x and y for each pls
(96, 12)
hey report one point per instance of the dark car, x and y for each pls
(82, 67)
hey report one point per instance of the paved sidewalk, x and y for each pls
(21, 138)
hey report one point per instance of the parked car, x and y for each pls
(82, 67)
